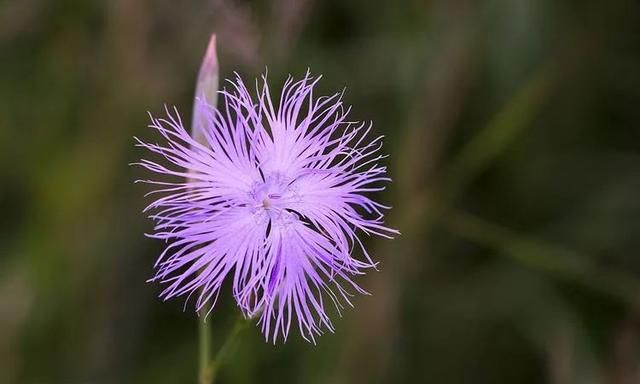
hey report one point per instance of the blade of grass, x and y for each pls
(481, 151)
(557, 261)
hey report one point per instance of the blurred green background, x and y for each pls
(514, 133)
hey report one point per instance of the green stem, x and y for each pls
(205, 375)
(226, 347)
(208, 367)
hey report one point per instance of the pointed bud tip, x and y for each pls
(210, 60)
(206, 87)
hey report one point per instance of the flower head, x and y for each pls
(274, 200)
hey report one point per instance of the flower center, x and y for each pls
(271, 198)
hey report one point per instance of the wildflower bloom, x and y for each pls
(274, 200)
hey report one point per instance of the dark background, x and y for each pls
(514, 133)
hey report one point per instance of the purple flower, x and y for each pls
(274, 200)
